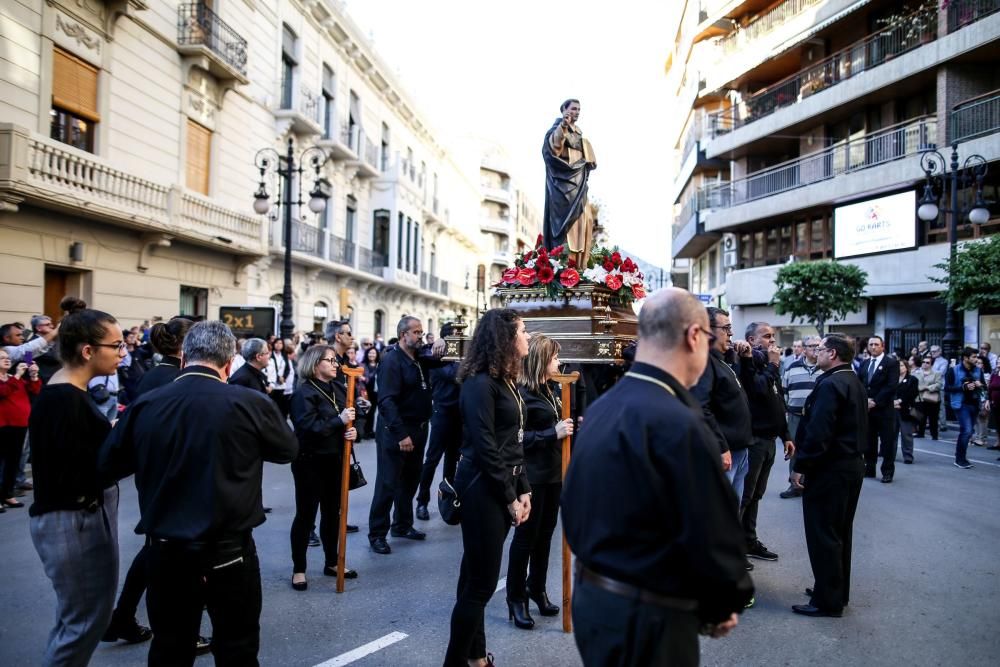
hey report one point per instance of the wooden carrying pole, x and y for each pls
(565, 380)
(345, 477)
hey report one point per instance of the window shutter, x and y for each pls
(199, 151)
(74, 85)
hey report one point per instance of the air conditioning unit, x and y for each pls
(730, 251)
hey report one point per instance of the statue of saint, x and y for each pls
(568, 162)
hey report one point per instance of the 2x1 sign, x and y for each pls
(250, 321)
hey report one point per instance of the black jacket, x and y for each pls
(724, 404)
(251, 378)
(882, 386)
(907, 391)
(542, 449)
(197, 448)
(445, 389)
(645, 500)
(404, 392)
(317, 422)
(490, 423)
(762, 383)
(161, 374)
(834, 422)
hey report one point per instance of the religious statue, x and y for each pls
(569, 160)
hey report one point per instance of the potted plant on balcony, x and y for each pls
(908, 23)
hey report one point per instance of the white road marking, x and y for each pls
(362, 651)
(502, 584)
(951, 456)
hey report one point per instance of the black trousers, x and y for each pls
(532, 542)
(182, 580)
(615, 631)
(11, 444)
(932, 413)
(369, 430)
(283, 401)
(317, 486)
(133, 588)
(485, 522)
(881, 441)
(828, 506)
(444, 440)
(396, 481)
(760, 456)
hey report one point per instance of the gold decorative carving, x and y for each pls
(604, 349)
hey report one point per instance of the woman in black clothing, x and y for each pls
(320, 421)
(543, 435)
(371, 390)
(491, 479)
(74, 517)
(281, 375)
(907, 393)
(167, 338)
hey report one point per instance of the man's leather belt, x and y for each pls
(625, 590)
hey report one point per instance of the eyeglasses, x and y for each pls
(711, 336)
(329, 360)
(366, 344)
(121, 346)
(728, 328)
(812, 347)
(820, 348)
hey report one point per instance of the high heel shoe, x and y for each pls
(545, 608)
(299, 585)
(518, 612)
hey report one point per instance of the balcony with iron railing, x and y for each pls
(52, 175)
(897, 38)
(372, 262)
(203, 35)
(338, 141)
(340, 250)
(963, 12)
(367, 162)
(764, 24)
(976, 117)
(300, 113)
(839, 160)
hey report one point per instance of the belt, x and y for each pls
(230, 541)
(625, 590)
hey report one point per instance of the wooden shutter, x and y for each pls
(74, 85)
(199, 151)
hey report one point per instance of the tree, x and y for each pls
(972, 278)
(817, 292)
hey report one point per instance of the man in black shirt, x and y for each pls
(197, 448)
(831, 441)
(660, 557)
(445, 438)
(404, 403)
(251, 374)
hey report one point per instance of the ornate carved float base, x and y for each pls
(592, 325)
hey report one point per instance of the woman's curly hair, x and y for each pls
(493, 348)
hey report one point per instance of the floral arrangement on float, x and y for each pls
(555, 271)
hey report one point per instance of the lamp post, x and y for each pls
(973, 170)
(290, 175)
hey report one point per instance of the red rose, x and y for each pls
(545, 274)
(557, 250)
(539, 241)
(608, 266)
(571, 263)
(543, 256)
(613, 281)
(569, 277)
(528, 255)
(638, 292)
(526, 277)
(510, 276)
(616, 257)
(628, 266)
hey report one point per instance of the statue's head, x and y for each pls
(573, 107)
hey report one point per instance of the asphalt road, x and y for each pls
(925, 585)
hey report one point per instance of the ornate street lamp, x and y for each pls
(290, 175)
(973, 170)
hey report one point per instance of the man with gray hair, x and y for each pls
(797, 382)
(256, 353)
(940, 365)
(197, 448)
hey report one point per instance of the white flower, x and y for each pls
(530, 263)
(596, 274)
(554, 263)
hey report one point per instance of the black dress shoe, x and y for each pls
(380, 546)
(749, 565)
(351, 529)
(300, 585)
(267, 510)
(129, 632)
(815, 612)
(887, 479)
(314, 539)
(331, 571)
(422, 513)
(518, 612)
(410, 534)
(809, 592)
(545, 607)
(203, 645)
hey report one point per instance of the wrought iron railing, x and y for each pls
(844, 157)
(197, 25)
(963, 12)
(443, 288)
(372, 262)
(434, 284)
(371, 154)
(341, 250)
(975, 117)
(423, 280)
(902, 35)
(305, 238)
(763, 24)
(349, 135)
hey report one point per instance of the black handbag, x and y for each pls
(356, 478)
(100, 392)
(449, 504)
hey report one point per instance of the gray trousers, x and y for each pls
(79, 551)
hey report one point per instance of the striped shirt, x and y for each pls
(798, 383)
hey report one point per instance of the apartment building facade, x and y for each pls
(805, 121)
(128, 137)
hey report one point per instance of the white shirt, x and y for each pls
(275, 369)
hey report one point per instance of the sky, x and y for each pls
(501, 69)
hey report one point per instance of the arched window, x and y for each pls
(379, 323)
(321, 312)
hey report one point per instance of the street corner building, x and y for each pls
(800, 138)
(128, 134)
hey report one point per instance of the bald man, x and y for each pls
(661, 558)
